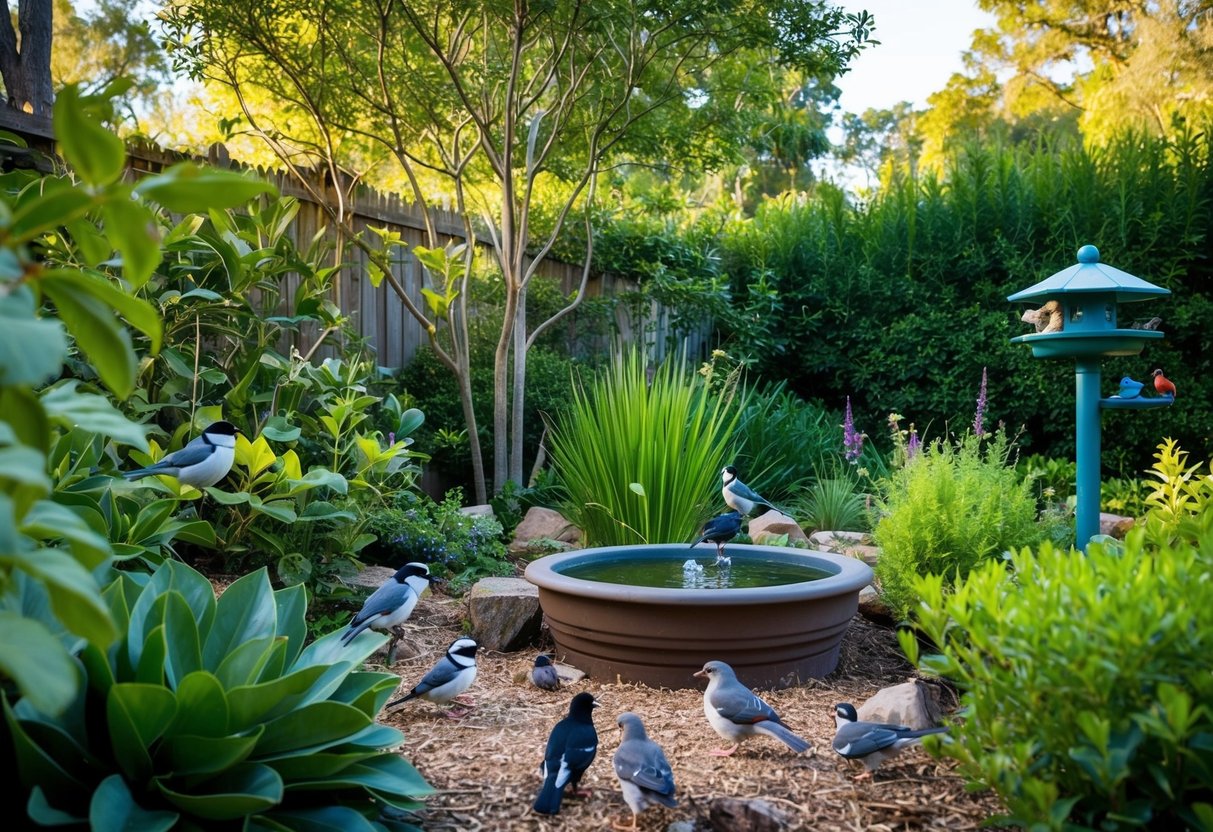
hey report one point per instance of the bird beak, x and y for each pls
(700, 674)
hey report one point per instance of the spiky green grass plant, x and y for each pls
(640, 459)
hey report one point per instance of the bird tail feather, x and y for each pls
(550, 797)
(412, 694)
(353, 631)
(137, 473)
(784, 735)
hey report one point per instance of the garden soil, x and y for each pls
(485, 765)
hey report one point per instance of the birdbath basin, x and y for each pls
(773, 636)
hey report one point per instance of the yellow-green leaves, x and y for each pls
(95, 153)
(187, 187)
(447, 269)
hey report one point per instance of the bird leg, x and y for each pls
(391, 647)
(618, 825)
(724, 752)
(454, 713)
(866, 774)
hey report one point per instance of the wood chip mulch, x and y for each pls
(485, 766)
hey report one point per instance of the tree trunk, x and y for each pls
(518, 401)
(27, 73)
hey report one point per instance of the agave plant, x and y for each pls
(212, 713)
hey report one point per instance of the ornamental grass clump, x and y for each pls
(640, 460)
(950, 508)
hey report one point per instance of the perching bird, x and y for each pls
(644, 773)
(544, 675)
(739, 496)
(204, 461)
(391, 604)
(1163, 385)
(448, 678)
(1130, 389)
(720, 530)
(872, 742)
(736, 712)
(571, 748)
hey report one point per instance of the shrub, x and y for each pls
(439, 534)
(947, 510)
(784, 443)
(640, 460)
(833, 504)
(1086, 682)
(208, 712)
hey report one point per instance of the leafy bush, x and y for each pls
(441, 535)
(949, 509)
(1086, 682)
(640, 460)
(1181, 502)
(833, 504)
(205, 712)
(784, 443)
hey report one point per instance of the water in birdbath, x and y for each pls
(672, 573)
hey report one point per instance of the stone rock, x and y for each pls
(853, 544)
(734, 814)
(913, 703)
(371, 578)
(567, 673)
(773, 524)
(681, 826)
(543, 524)
(873, 607)
(477, 511)
(1115, 525)
(505, 613)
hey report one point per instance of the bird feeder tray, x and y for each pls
(1118, 403)
(1071, 344)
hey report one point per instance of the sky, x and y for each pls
(921, 42)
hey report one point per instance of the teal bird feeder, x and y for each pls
(1077, 319)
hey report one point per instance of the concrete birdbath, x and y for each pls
(773, 635)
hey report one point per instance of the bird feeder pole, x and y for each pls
(1088, 294)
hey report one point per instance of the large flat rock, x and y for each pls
(505, 613)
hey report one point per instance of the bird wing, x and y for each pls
(196, 451)
(581, 746)
(741, 707)
(441, 673)
(744, 491)
(643, 762)
(386, 598)
(546, 677)
(860, 740)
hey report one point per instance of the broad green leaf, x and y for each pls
(245, 790)
(96, 154)
(37, 662)
(313, 726)
(278, 429)
(39, 211)
(386, 774)
(113, 809)
(37, 763)
(69, 407)
(636, 488)
(182, 637)
(24, 466)
(410, 420)
(252, 704)
(245, 611)
(186, 187)
(90, 243)
(41, 812)
(194, 755)
(317, 477)
(136, 235)
(25, 415)
(153, 658)
(321, 819)
(291, 620)
(138, 313)
(137, 716)
(228, 498)
(73, 593)
(243, 663)
(202, 708)
(48, 520)
(32, 350)
(281, 510)
(169, 576)
(100, 337)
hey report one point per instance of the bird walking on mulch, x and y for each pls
(448, 678)
(644, 773)
(571, 749)
(544, 675)
(391, 604)
(737, 713)
(872, 742)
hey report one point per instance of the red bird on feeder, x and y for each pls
(1163, 385)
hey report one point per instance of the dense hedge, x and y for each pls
(900, 302)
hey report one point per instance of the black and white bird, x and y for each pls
(737, 713)
(644, 773)
(739, 496)
(204, 461)
(872, 742)
(570, 750)
(448, 678)
(543, 674)
(720, 530)
(391, 604)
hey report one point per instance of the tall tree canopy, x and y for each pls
(494, 99)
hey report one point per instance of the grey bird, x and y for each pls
(204, 461)
(739, 496)
(737, 713)
(391, 604)
(644, 773)
(720, 530)
(544, 675)
(448, 678)
(571, 748)
(872, 742)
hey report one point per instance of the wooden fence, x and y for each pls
(377, 313)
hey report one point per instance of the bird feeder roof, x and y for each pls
(1089, 276)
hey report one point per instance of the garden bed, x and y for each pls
(485, 766)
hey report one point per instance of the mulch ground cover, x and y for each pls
(485, 766)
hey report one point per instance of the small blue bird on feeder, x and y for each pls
(1130, 389)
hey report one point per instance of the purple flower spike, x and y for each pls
(913, 445)
(391, 438)
(979, 419)
(852, 442)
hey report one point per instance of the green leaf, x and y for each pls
(136, 235)
(245, 611)
(193, 755)
(113, 809)
(32, 350)
(137, 715)
(251, 704)
(96, 154)
(93, 413)
(37, 662)
(96, 330)
(244, 663)
(245, 790)
(73, 593)
(314, 726)
(48, 520)
(636, 488)
(278, 429)
(410, 420)
(138, 313)
(25, 415)
(90, 243)
(186, 187)
(39, 211)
